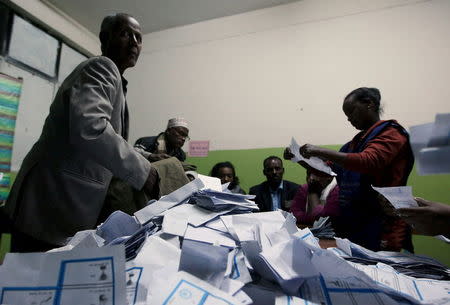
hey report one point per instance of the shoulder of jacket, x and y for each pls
(104, 62)
(290, 183)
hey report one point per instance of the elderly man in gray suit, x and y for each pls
(61, 186)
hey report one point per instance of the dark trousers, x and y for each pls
(21, 242)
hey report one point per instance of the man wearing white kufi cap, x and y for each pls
(168, 143)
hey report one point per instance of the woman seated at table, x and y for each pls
(226, 173)
(380, 155)
(319, 197)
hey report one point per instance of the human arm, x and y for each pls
(95, 102)
(309, 150)
(430, 218)
(377, 154)
(287, 154)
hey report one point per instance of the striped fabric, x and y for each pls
(10, 89)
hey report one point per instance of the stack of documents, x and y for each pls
(219, 201)
(322, 228)
(409, 264)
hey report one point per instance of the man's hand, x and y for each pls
(314, 187)
(430, 218)
(158, 157)
(287, 154)
(386, 206)
(308, 151)
(151, 187)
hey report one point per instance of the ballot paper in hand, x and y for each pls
(431, 145)
(399, 196)
(314, 162)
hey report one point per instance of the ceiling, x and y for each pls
(157, 15)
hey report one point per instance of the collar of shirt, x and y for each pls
(279, 188)
(276, 197)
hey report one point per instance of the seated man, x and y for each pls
(275, 193)
(319, 197)
(167, 144)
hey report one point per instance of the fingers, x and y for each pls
(422, 202)
(287, 154)
(305, 151)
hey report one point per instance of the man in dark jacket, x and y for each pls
(275, 193)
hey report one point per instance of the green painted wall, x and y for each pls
(248, 164)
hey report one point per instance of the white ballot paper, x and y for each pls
(80, 276)
(431, 145)
(398, 196)
(440, 134)
(314, 162)
(433, 160)
(211, 183)
(187, 289)
(169, 201)
(209, 236)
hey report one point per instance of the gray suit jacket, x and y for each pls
(62, 183)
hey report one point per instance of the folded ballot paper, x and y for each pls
(322, 228)
(314, 162)
(79, 276)
(219, 201)
(430, 143)
(399, 196)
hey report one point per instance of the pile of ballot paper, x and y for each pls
(220, 201)
(322, 228)
(200, 245)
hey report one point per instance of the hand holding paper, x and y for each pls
(314, 162)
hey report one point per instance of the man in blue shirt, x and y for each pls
(275, 193)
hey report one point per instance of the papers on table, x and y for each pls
(218, 201)
(186, 254)
(443, 238)
(207, 262)
(399, 196)
(322, 228)
(80, 276)
(187, 289)
(176, 197)
(405, 263)
(431, 145)
(314, 162)
(206, 235)
(118, 224)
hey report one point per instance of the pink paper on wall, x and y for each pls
(198, 148)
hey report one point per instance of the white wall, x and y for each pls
(256, 79)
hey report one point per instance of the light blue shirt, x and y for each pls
(276, 197)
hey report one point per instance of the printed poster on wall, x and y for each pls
(198, 148)
(10, 90)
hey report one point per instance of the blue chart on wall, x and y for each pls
(10, 90)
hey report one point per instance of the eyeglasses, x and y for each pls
(180, 133)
